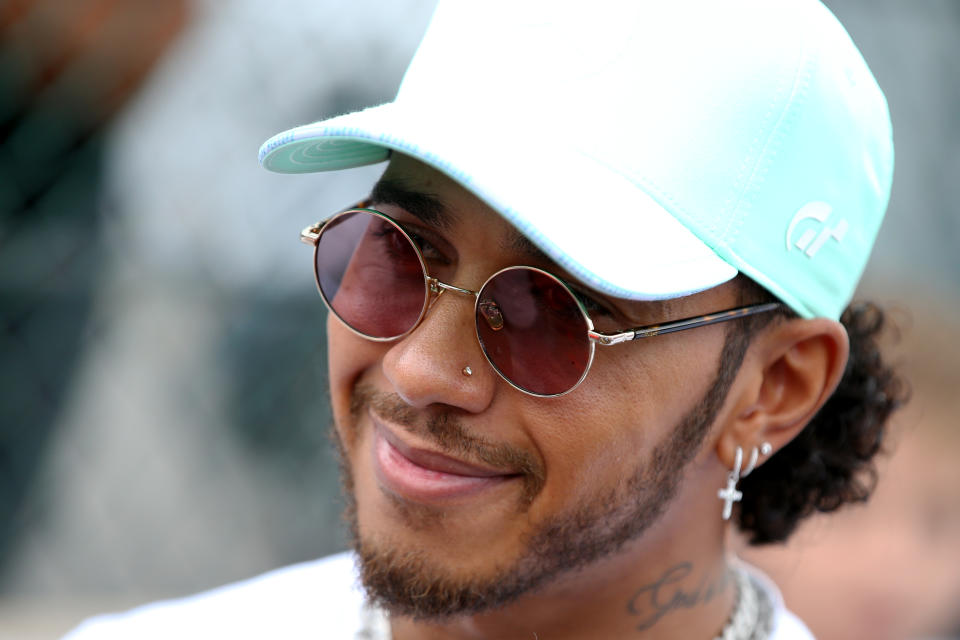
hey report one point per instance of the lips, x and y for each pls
(423, 475)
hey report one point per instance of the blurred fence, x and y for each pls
(163, 403)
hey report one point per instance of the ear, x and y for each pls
(790, 370)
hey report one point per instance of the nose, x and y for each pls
(429, 365)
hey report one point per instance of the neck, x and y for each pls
(665, 586)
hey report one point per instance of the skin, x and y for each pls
(670, 581)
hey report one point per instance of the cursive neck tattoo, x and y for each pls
(673, 591)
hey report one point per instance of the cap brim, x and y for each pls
(600, 226)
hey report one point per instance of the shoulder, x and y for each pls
(322, 598)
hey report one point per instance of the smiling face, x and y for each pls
(467, 492)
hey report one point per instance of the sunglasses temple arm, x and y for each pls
(702, 321)
(681, 325)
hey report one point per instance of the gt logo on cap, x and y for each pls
(811, 241)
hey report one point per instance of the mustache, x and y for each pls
(448, 433)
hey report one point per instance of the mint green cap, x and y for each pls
(653, 149)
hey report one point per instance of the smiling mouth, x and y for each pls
(426, 476)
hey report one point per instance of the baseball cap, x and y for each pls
(652, 149)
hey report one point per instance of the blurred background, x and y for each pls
(163, 409)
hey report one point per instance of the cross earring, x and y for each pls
(729, 494)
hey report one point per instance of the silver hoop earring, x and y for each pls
(729, 493)
(752, 463)
(755, 454)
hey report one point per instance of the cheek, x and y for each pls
(656, 380)
(349, 358)
(633, 398)
(590, 441)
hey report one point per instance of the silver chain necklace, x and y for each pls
(752, 615)
(751, 618)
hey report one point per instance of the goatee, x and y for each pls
(409, 582)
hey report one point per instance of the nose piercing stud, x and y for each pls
(467, 371)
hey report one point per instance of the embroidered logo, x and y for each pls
(815, 236)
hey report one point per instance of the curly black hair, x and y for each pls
(830, 462)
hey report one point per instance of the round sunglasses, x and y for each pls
(532, 328)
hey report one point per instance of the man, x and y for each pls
(588, 315)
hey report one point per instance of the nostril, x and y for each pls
(490, 311)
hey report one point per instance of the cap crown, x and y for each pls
(754, 123)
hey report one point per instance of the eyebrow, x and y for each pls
(432, 211)
(426, 206)
(522, 244)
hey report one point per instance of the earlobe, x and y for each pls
(798, 364)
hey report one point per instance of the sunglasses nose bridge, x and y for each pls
(437, 287)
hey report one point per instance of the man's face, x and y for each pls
(466, 492)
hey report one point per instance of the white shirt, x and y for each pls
(319, 599)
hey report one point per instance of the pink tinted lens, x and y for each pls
(532, 331)
(370, 274)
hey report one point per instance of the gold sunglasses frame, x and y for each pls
(434, 288)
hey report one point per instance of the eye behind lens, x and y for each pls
(538, 340)
(371, 275)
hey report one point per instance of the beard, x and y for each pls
(409, 582)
